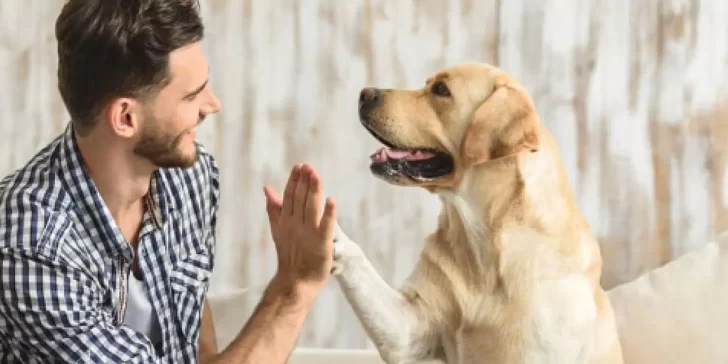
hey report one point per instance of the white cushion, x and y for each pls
(677, 313)
(334, 356)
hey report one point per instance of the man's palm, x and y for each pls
(303, 237)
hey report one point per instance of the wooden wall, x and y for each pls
(635, 92)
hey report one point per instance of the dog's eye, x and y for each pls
(440, 89)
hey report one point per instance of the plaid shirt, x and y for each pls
(64, 263)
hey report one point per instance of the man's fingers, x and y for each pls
(313, 200)
(299, 200)
(272, 204)
(328, 221)
(288, 194)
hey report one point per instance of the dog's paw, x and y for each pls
(344, 250)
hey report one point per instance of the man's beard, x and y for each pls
(162, 148)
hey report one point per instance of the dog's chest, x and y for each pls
(554, 324)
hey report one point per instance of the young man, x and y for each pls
(107, 236)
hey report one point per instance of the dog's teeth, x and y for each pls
(380, 155)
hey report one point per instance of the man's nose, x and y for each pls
(212, 106)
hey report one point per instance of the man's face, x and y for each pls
(167, 128)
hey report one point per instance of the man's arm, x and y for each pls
(273, 329)
(208, 343)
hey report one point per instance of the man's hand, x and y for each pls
(302, 236)
(305, 244)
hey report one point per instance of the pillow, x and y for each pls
(677, 313)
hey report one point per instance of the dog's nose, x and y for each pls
(369, 97)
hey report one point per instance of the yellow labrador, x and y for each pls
(511, 273)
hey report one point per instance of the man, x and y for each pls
(107, 236)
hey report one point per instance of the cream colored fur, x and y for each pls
(511, 273)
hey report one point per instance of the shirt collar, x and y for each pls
(83, 191)
(158, 199)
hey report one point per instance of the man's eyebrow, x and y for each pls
(196, 91)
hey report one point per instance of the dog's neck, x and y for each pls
(528, 190)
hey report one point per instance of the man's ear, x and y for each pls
(504, 124)
(123, 116)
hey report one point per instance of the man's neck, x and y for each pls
(121, 178)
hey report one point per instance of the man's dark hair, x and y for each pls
(118, 48)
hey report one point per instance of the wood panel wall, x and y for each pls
(635, 92)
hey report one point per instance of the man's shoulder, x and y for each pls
(33, 203)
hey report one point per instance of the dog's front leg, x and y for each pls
(393, 322)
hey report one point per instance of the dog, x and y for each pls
(512, 272)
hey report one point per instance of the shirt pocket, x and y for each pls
(189, 280)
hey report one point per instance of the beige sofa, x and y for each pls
(674, 314)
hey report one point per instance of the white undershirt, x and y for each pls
(140, 314)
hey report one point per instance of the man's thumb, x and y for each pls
(272, 204)
(328, 220)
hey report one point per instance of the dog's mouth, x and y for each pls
(418, 163)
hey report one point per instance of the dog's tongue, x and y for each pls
(384, 154)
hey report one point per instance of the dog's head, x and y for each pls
(464, 116)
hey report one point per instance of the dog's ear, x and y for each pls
(504, 124)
